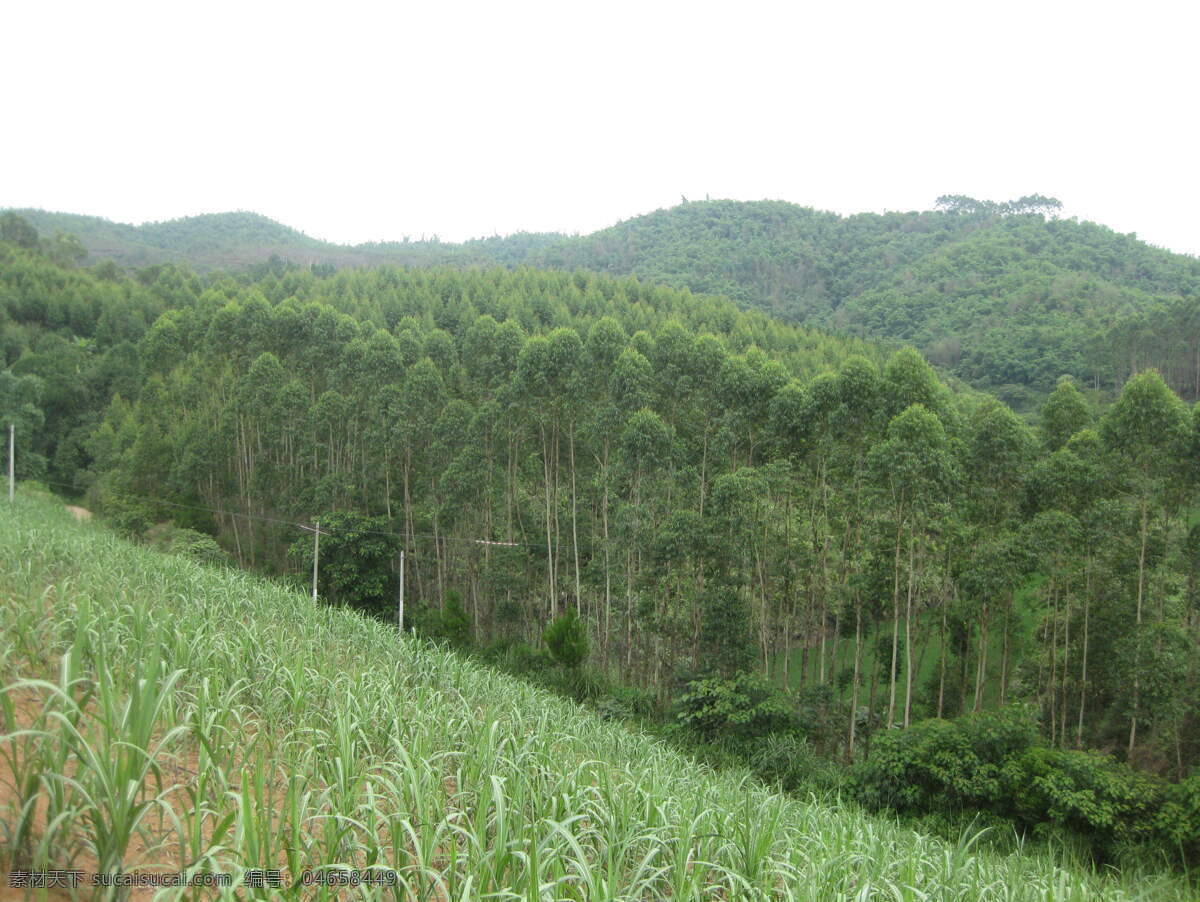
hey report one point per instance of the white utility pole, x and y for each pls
(316, 552)
(12, 453)
(400, 602)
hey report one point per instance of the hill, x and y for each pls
(163, 715)
(224, 240)
(1003, 296)
(718, 503)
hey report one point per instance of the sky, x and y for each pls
(375, 121)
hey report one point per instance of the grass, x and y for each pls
(159, 713)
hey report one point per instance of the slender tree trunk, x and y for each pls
(981, 668)
(1083, 675)
(942, 663)
(547, 479)
(1052, 689)
(1066, 668)
(607, 570)
(1133, 721)
(891, 718)
(1008, 603)
(575, 524)
(908, 615)
(856, 681)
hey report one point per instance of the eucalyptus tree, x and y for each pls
(913, 472)
(415, 415)
(20, 417)
(1065, 412)
(999, 449)
(1145, 431)
(646, 448)
(856, 422)
(549, 379)
(606, 343)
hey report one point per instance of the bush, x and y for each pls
(525, 660)
(1111, 805)
(198, 546)
(626, 703)
(993, 763)
(566, 638)
(942, 764)
(1178, 822)
(450, 624)
(791, 761)
(740, 709)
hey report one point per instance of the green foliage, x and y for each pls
(791, 761)
(206, 653)
(18, 230)
(740, 709)
(450, 622)
(996, 764)
(626, 703)
(1004, 295)
(566, 639)
(357, 559)
(714, 492)
(943, 764)
(20, 408)
(1065, 412)
(197, 545)
(725, 641)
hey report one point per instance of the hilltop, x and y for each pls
(238, 239)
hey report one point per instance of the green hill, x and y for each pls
(221, 240)
(162, 715)
(1003, 296)
(718, 502)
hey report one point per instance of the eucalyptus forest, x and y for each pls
(787, 524)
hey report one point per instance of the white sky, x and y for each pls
(356, 121)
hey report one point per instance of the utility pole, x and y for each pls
(316, 552)
(12, 453)
(400, 601)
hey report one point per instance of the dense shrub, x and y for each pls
(197, 546)
(791, 761)
(739, 709)
(993, 763)
(566, 639)
(454, 625)
(626, 703)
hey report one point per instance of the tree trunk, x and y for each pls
(891, 718)
(1133, 721)
(575, 525)
(908, 615)
(942, 663)
(855, 682)
(981, 667)
(1083, 677)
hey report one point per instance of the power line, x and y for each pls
(280, 522)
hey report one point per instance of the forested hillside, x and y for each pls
(1004, 296)
(718, 503)
(234, 240)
